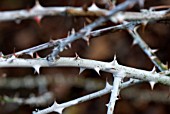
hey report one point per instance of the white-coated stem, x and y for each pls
(114, 92)
(55, 107)
(88, 64)
(78, 11)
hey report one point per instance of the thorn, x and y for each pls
(152, 84)
(30, 53)
(97, 69)
(119, 97)
(144, 24)
(86, 38)
(69, 45)
(38, 19)
(88, 20)
(81, 70)
(57, 108)
(13, 57)
(17, 21)
(115, 57)
(51, 40)
(93, 7)
(135, 28)
(68, 34)
(65, 47)
(37, 5)
(37, 68)
(107, 105)
(37, 56)
(73, 31)
(114, 62)
(141, 3)
(153, 57)
(77, 56)
(166, 65)
(14, 53)
(108, 85)
(1, 55)
(154, 50)
(84, 24)
(116, 98)
(153, 70)
(134, 42)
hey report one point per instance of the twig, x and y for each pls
(59, 107)
(49, 96)
(92, 34)
(115, 91)
(150, 53)
(86, 30)
(40, 11)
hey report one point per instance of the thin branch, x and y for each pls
(149, 52)
(40, 11)
(89, 64)
(92, 34)
(87, 29)
(49, 96)
(115, 91)
(59, 107)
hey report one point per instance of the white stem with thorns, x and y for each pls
(110, 67)
(40, 11)
(59, 107)
(115, 91)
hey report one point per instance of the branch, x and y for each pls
(115, 91)
(92, 34)
(40, 11)
(86, 30)
(59, 107)
(148, 51)
(110, 67)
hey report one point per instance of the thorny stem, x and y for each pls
(89, 64)
(40, 11)
(92, 34)
(100, 93)
(115, 91)
(49, 96)
(86, 30)
(147, 50)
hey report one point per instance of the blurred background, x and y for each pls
(65, 84)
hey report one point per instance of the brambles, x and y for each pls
(86, 26)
